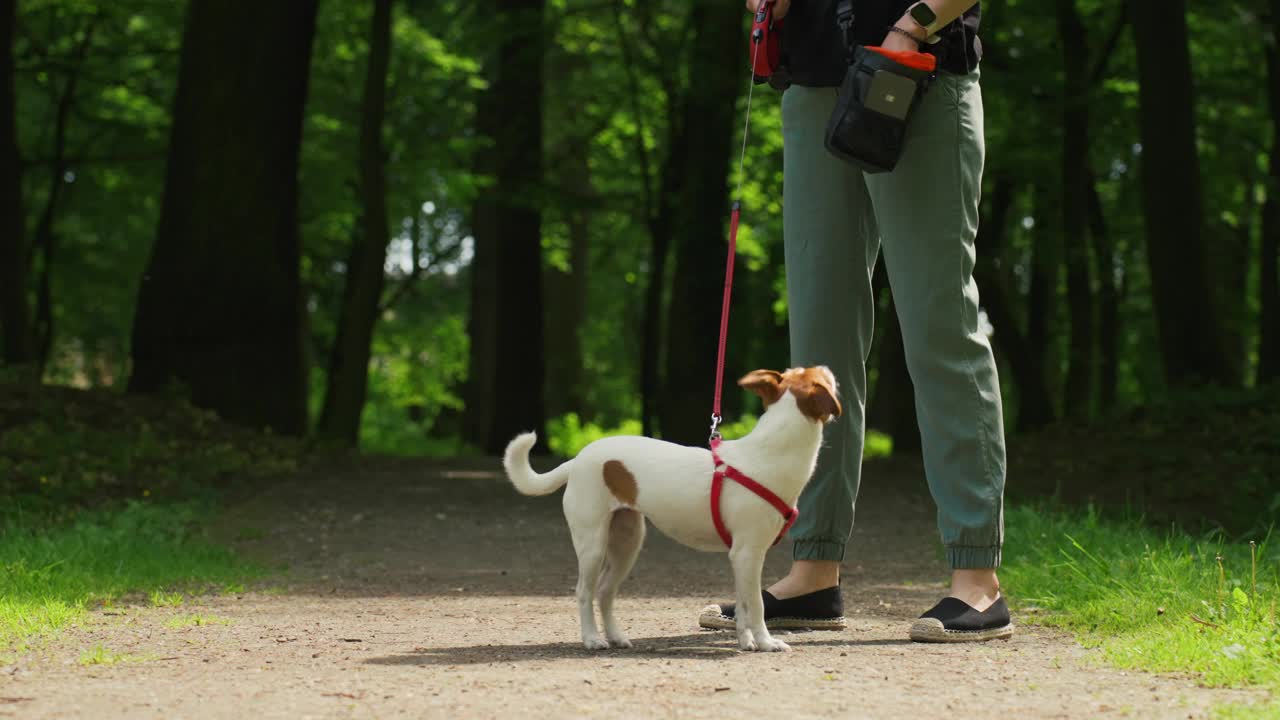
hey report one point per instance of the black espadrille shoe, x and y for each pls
(953, 620)
(818, 610)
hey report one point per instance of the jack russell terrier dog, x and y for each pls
(740, 495)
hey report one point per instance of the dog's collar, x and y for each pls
(722, 471)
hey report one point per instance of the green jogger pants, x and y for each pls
(925, 215)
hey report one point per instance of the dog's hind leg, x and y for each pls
(626, 535)
(748, 563)
(590, 541)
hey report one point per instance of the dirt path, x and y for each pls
(430, 591)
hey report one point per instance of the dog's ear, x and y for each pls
(816, 394)
(765, 383)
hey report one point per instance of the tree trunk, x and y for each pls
(482, 319)
(1228, 270)
(698, 236)
(1190, 334)
(1042, 292)
(348, 379)
(16, 339)
(659, 208)
(566, 298)
(1078, 393)
(1104, 255)
(220, 305)
(517, 93)
(46, 240)
(661, 223)
(1034, 407)
(1269, 250)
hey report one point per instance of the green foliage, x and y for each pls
(1206, 459)
(65, 447)
(1152, 601)
(53, 571)
(109, 173)
(568, 434)
(615, 85)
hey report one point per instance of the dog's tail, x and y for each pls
(521, 474)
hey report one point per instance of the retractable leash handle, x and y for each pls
(766, 47)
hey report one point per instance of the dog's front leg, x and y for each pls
(748, 563)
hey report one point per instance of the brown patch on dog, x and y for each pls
(814, 391)
(765, 383)
(620, 482)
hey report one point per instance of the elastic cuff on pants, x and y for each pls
(820, 549)
(964, 557)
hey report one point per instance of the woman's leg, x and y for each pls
(927, 212)
(831, 247)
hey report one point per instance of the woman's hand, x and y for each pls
(780, 7)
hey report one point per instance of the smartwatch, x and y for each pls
(924, 16)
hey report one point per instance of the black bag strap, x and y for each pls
(844, 18)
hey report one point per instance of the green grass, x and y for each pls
(195, 620)
(100, 655)
(1157, 601)
(160, 598)
(50, 573)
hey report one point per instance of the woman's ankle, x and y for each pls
(979, 587)
(807, 576)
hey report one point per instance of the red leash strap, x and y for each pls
(788, 512)
(765, 11)
(724, 319)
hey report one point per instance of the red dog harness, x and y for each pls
(717, 486)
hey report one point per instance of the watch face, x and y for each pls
(923, 14)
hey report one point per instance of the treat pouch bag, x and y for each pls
(880, 93)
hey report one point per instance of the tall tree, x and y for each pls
(1042, 293)
(1269, 249)
(46, 238)
(509, 231)
(660, 188)
(717, 74)
(1110, 292)
(1190, 334)
(1075, 186)
(16, 339)
(348, 379)
(566, 299)
(220, 306)
(1013, 346)
(482, 350)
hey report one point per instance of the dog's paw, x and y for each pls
(595, 642)
(772, 645)
(619, 641)
(747, 641)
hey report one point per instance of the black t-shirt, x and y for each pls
(813, 47)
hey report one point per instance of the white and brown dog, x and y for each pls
(614, 483)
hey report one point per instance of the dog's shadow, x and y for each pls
(698, 646)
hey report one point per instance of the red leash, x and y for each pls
(721, 470)
(764, 15)
(724, 319)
